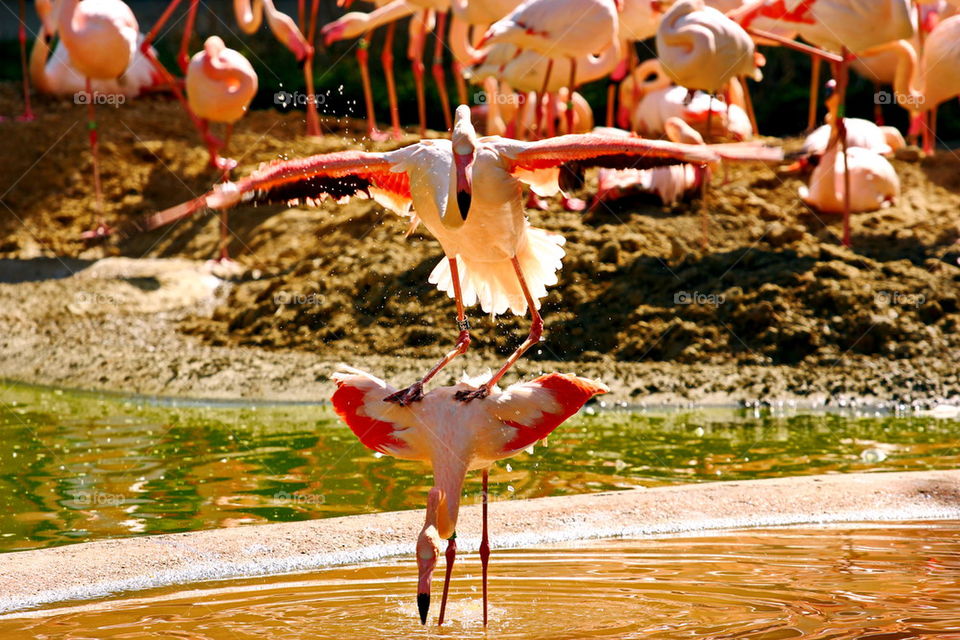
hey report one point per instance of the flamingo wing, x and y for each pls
(577, 152)
(532, 410)
(336, 175)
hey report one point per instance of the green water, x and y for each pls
(78, 466)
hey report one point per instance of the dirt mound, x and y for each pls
(773, 286)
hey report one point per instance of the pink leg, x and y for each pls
(386, 58)
(540, 97)
(418, 70)
(183, 58)
(363, 55)
(101, 227)
(536, 330)
(748, 101)
(451, 556)
(437, 70)
(27, 111)
(570, 89)
(164, 17)
(225, 177)
(814, 94)
(485, 545)
(313, 119)
(414, 392)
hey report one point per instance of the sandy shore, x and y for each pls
(116, 325)
(96, 569)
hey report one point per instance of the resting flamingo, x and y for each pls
(453, 439)
(467, 192)
(221, 83)
(873, 183)
(101, 37)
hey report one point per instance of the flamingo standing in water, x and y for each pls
(101, 38)
(455, 438)
(221, 83)
(467, 191)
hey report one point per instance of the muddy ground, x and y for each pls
(773, 309)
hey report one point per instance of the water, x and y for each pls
(76, 466)
(864, 582)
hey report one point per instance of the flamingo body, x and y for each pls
(860, 133)
(557, 28)
(873, 182)
(56, 74)
(100, 35)
(220, 82)
(701, 48)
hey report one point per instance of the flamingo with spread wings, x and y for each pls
(455, 438)
(467, 191)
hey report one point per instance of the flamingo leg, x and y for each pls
(301, 14)
(485, 544)
(709, 119)
(748, 101)
(930, 131)
(536, 330)
(225, 177)
(183, 58)
(814, 94)
(418, 69)
(386, 59)
(705, 207)
(570, 89)
(363, 55)
(451, 556)
(414, 392)
(100, 229)
(840, 129)
(877, 107)
(162, 20)
(313, 119)
(437, 69)
(540, 96)
(22, 35)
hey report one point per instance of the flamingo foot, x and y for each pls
(223, 164)
(376, 135)
(26, 117)
(574, 204)
(408, 396)
(98, 233)
(479, 393)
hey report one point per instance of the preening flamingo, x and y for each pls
(101, 37)
(454, 438)
(467, 191)
(701, 48)
(556, 29)
(221, 83)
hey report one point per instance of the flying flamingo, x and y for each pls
(467, 192)
(454, 438)
(101, 38)
(557, 29)
(701, 48)
(221, 83)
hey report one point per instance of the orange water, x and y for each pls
(868, 582)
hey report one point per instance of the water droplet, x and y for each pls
(699, 431)
(873, 455)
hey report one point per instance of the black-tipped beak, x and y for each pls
(423, 606)
(463, 203)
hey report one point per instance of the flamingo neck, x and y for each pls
(448, 476)
(65, 19)
(248, 17)
(38, 63)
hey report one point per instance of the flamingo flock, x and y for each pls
(669, 122)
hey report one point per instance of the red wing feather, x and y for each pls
(569, 391)
(348, 402)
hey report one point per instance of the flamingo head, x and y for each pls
(464, 139)
(428, 548)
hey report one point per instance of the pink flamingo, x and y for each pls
(221, 83)
(101, 38)
(570, 29)
(454, 438)
(249, 15)
(701, 48)
(873, 183)
(467, 191)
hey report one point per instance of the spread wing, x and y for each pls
(306, 180)
(573, 154)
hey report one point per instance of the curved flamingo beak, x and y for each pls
(426, 562)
